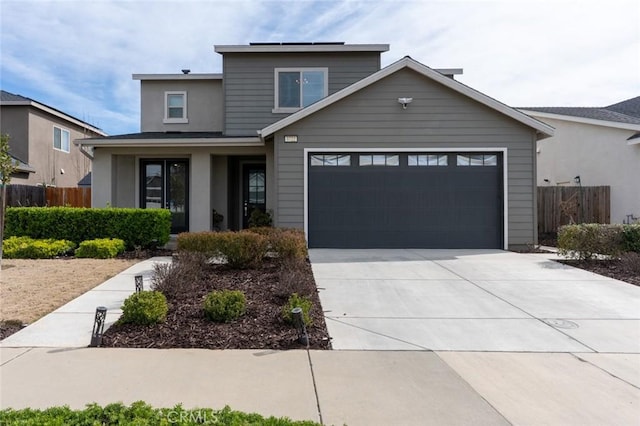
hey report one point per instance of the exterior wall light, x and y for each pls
(303, 337)
(139, 283)
(98, 326)
(290, 138)
(405, 102)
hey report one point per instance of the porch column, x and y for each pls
(102, 179)
(199, 195)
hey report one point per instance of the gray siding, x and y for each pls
(204, 105)
(249, 82)
(437, 118)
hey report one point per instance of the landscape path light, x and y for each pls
(98, 326)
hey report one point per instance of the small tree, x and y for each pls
(7, 167)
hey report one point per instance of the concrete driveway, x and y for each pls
(472, 300)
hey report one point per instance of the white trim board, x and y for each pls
(505, 176)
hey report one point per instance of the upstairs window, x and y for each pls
(61, 139)
(175, 107)
(297, 88)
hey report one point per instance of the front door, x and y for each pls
(165, 185)
(254, 181)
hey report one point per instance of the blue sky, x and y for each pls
(78, 56)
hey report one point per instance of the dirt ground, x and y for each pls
(30, 289)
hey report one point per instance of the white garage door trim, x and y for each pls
(505, 173)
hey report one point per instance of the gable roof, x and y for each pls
(630, 107)
(543, 129)
(9, 99)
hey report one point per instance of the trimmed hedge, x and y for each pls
(586, 240)
(28, 248)
(140, 413)
(101, 248)
(145, 228)
(288, 244)
(241, 250)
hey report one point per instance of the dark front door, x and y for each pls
(165, 185)
(254, 181)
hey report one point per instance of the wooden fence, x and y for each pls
(31, 196)
(562, 205)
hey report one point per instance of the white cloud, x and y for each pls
(79, 56)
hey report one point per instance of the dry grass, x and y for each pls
(30, 289)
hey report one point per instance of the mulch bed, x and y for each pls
(619, 269)
(262, 326)
(7, 328)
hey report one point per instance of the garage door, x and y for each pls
(405, 200)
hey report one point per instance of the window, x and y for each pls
(175, 107)
(477, 160)
(61, 139)
(380, 160)
(428, 160)
(330, 160)
(297, 88)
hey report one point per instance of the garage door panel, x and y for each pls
(401, 206)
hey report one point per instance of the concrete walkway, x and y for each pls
(448, 386)
(70, 325)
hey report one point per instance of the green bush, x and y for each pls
(241, 250)
(296, 301)
(145, 307)
(136, 227)
(631, 237)
(28, 248)
(224, 305)
(140, 413)
(101, 248)
(259, 219)
(586, 240)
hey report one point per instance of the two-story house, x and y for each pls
(40, 139)
(327, 141)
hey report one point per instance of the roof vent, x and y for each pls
(186, 71)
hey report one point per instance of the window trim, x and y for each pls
(276, 89)
(62, 131)
(169, 120)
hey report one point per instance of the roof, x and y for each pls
(300, 47)
(625, 112)
(21, 166)
(630, 107)
(86, 180)
(177, 76)
(543, 129)
(10, 99)
(163, 139)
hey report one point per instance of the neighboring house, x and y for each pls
(600, 145)
(40, 140)
(325, 140)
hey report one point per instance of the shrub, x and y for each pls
(181, 276)
(241, 250)
(259, 219)
(101, 248)
(631, 237)
(140, 413)
(288, 244)
(28, 248)
(224, 305)
(292, 278)
(137, 227)
(586, 240)
(296, 301)
(146, 307)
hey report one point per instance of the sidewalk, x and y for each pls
(70, 325)
(48, 364)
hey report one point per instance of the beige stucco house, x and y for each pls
(600, 145)
(40, 139)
